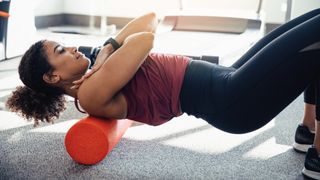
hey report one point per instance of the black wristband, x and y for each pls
(113, 43)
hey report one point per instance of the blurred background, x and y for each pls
(104, 17)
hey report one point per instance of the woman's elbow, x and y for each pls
(152, 16)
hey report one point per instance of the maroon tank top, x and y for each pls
(152, 94)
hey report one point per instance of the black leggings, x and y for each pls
(266, 79)
(310, 95)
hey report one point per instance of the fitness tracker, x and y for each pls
(113, 43)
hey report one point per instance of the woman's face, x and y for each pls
(67, 62)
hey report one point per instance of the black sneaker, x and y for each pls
(312, 164)
(303, 139)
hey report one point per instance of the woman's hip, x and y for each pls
(203, 88)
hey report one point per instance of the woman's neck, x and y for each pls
(66, 86)
(71, 92)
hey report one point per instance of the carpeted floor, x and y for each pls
(184, 148)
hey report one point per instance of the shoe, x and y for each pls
(303, 139)
(312, 164)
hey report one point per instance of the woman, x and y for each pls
(153, 88)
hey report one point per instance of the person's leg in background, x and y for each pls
(312, 160)
(305, 132)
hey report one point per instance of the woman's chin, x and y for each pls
(88, 62)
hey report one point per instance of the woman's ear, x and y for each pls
(51, 78)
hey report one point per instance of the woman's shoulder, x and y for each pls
(91, 96)
(96, 104)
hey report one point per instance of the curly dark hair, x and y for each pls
(36, 100)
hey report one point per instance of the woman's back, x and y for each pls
(152, 95)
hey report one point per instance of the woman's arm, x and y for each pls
(145, 23)
(97, 93)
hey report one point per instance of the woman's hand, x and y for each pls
(103, 55)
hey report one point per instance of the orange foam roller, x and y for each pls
(4, 14)
(91, 139)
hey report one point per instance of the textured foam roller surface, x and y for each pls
(91, 139)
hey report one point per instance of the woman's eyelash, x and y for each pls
(62, 50)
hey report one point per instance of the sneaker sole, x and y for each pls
(311, 174)
(301, 148)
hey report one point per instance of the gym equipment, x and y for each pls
(91, 139)
(4, 14)
(16, 16)
(92, 52)
(224, 34)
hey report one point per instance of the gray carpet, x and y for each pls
(184, 148)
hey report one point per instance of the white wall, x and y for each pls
(122, 8)
(21, 29)
(133, 8)
(274, 9)
(48, 7)
(219, 4)
(302, 6)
